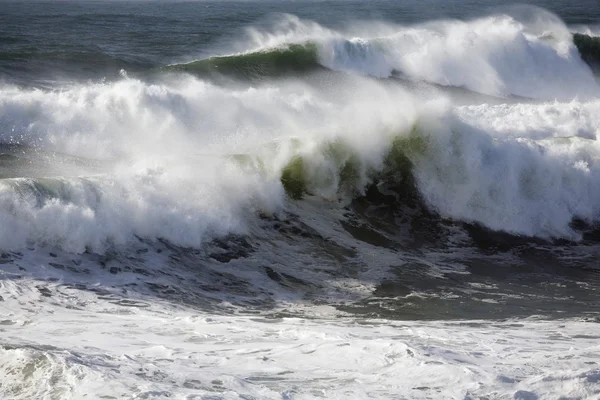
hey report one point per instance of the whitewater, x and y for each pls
(295, 209)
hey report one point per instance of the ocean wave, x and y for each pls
(168, 164)
(496, 55)
(287, 60)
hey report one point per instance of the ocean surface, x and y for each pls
(299, 200)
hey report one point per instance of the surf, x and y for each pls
(189, 173)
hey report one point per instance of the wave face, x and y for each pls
(285, 61)
(589, 47)
(497, 55)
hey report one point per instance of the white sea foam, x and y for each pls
(590, 30)
(74, 344)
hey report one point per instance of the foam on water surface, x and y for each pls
(74, 343)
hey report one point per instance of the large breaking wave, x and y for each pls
(164, 162)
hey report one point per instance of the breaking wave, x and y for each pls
(497, 55)
(97, 165)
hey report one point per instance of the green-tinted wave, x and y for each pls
(346, 171)
(293, 58)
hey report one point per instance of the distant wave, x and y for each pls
(495, 55)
